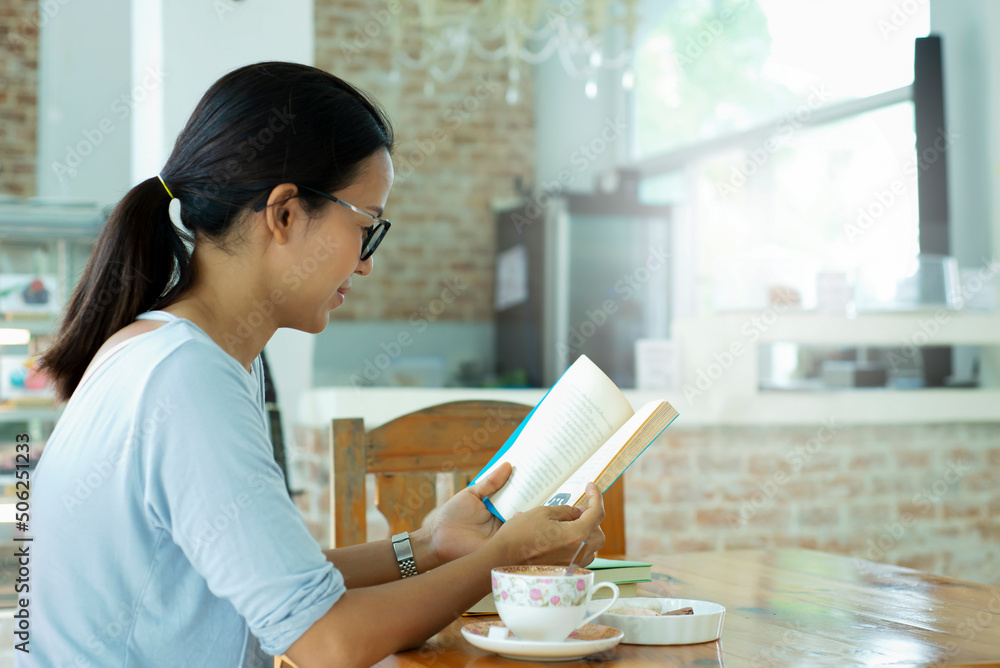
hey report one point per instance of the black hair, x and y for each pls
(255, 128)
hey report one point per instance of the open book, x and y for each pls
(582, 430)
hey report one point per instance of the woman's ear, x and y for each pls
(283, 212)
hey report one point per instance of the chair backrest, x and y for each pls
(406, 455)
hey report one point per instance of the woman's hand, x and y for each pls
(463, 524)
(552, 534)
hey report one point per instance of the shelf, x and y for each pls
(36, 219)
(938, 327)
(41, 324)
(49, 241)
(26, 413)
(843, 408)
(719, 368)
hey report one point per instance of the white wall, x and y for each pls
(84, 101)
(199, 41)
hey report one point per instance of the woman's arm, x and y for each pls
(367, 624)
(375, 563)
(461, 526)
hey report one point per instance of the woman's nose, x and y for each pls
(365, 266)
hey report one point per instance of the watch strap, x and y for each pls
(404, 554)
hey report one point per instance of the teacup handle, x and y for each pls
(614, 599)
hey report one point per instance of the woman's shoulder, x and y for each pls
(173, 352)
(120, 339)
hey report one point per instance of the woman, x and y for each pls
(163, 532)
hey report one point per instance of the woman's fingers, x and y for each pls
(591, 520)
(492, 482)
(595, 541)
(563, 513)
(553, 533)
(595, 503)
(582, 524)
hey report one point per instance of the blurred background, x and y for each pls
(778, 214)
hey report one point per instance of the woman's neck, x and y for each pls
(235, 328)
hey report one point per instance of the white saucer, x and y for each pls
(589, 639)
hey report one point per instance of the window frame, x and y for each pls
(677, 159)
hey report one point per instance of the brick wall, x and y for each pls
(18, 96)
(926, 497)
(456, 150)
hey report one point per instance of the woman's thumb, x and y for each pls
(494, 481)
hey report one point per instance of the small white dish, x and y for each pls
(589, 639)
(705, 625)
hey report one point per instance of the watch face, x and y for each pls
(402, 548)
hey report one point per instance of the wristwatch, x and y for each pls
(404, 554)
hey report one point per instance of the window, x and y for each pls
(784, 129)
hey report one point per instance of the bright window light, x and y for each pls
(14, 337)
(728, 99)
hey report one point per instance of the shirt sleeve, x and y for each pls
(209, 478)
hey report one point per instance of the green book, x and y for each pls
(620, 571)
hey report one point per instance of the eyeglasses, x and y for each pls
(373, 234)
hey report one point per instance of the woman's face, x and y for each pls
(327, 254)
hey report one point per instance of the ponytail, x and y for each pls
(137, 254)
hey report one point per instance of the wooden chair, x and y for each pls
(406, 455)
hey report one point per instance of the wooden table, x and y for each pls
(790, 607)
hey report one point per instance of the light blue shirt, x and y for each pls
(163, 533)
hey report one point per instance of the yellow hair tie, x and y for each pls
(165, 186)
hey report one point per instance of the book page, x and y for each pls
(620, 450)
(581, 411)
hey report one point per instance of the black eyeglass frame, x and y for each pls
(376, 231)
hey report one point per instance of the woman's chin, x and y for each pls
(324, 320)
(314, 325)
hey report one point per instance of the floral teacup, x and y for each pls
(543, 603)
